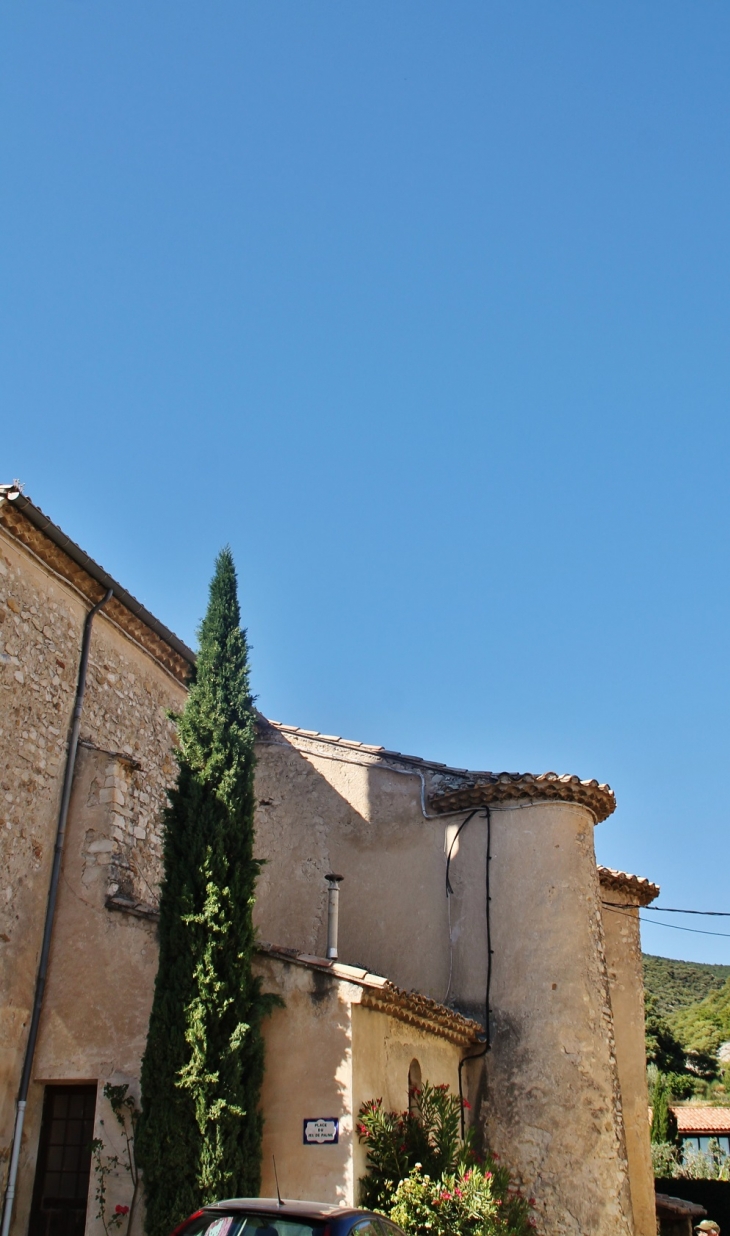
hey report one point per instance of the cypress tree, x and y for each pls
(663, 1119)
(200, 1131)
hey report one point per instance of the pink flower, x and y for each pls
(466, 1104)
(121, 1210)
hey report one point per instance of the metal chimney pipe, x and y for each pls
(333, 914)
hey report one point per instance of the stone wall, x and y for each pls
(113, 850)
(623, 955)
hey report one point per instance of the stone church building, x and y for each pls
(469, 900)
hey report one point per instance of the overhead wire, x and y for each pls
(628, 905)
(620, 908)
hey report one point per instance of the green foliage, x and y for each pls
(664, 1159)
(663, 1049)
(687, 1070)
(426, 1177)
(396, 1141)
(473, 1201)
(710, 1164)
(702, 1027)
(677, 984)
(200, 1132)
(688, 1163)
(663, 1120)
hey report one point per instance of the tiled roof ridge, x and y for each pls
(31, 527)
(383, 996)
(480, 787)
(632, 885)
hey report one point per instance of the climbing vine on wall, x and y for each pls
(108, 1164)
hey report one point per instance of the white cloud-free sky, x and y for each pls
(423, 307)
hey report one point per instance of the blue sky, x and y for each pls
(423, 308)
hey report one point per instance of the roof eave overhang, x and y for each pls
(503, 789)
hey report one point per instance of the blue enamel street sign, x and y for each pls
(321, 1131)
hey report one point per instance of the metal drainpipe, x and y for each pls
(333, 916)
(40, 985)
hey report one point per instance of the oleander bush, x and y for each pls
(429, 1179)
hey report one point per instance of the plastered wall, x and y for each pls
(623, 955)
(319, 812)
(552, 1107)
(383, 1051)
(327, 1054)
(549, 1099)
(308, 1074)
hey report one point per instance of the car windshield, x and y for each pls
(253, 1224)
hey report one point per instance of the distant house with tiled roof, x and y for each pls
(698, 1125)
(511, 961)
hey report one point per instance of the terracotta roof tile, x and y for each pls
(641, 890)
(383, 996)
(483, 789)
(702, 1121)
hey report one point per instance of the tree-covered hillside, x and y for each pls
(702, 1027)
(677, 985)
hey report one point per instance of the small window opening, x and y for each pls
(414, 1087)
(64, 1162)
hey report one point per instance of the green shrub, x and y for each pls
(665, 1159)
(396, 1141)
(710, 1164)
(474, 1201)
(422, 1173)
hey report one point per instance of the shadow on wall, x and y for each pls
(319, 811)
(313, 1082)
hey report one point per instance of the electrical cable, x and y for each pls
(450, 892)
(696, 931)
(655, 922)
(628, 905)
(479, 1055)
